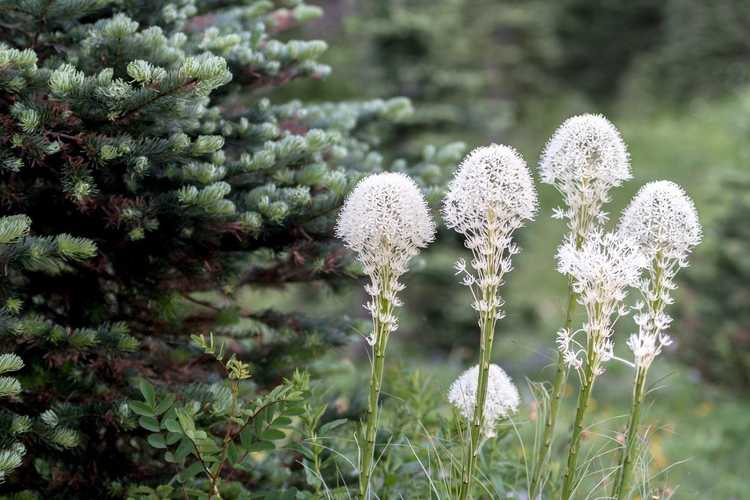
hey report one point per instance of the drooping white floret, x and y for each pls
(602, 269)
(662, 220)
(502, 397)
(584, 159)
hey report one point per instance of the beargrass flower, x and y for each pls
(490, 196)
(584, 159)
(386, 221)
(662, 220)
(502, 397)
(602, 269)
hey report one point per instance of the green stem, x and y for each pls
(485, 353)
(628, 456)
(584, 396)
(381, 332)
(558, 384)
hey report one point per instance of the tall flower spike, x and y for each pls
(490, 196)
(385, 220)
(601, 268)
(584, 159)
(502, 397)
(663, 221)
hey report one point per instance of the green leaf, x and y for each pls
(191, 471)
(272, 434)
(171, 425)
(247, 436)
(261, 446)
(156, 441)
(164, 405)
(282, 421)
(148, 392)
(141, 408)
(149, 423)
(333, 424)
(233, 454)
(183, 450)
(186, 421)
(294, 411)
(173, 438)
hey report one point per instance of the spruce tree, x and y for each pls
(147, 175)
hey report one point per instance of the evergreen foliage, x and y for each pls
(157, 176)
(466, 86)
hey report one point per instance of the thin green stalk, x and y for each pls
(487, 333)
(558, 384)
(485, 352)
(381, 331)
(628, 456)
(584, 396)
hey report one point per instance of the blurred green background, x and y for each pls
(674, 77)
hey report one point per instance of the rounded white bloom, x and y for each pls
(584, 159)
(385, 213)
(491, 195)
(662, 219)
(502, 397)
(492, 181)
(386, 221)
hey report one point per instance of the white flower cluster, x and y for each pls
(491, 195)
(502, 397)
(662, 220)
(602, 269)
(386, 221)
(584, 159)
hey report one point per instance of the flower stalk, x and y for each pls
(583, 160)
(487, 331)
(490, 196)
(561, 375)
(628, 456)
(500, 401)
(386, 221)
(662, 219)
(601, 270)
(590, 370)
(381, 330)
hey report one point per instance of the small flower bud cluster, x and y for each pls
(490, 196)
(386, 221)
(584, 159)
(502, 397)
(663, 222)
(602, 269)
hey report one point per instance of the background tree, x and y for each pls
(160, 177)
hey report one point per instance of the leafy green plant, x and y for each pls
(209, 438)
